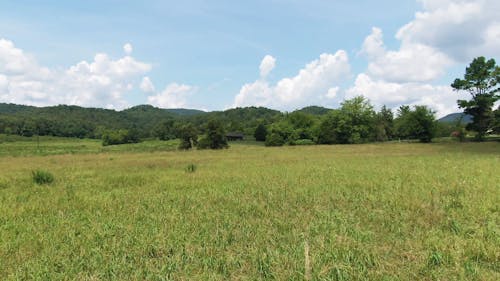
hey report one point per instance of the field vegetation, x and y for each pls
(389, 211)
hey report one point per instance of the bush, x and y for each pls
(274, 139)
(191, 168)
(215, 137)
(204, 143)
(111, 137)
(302, 142)
(188, 135)
(260, 132)
(42, 177)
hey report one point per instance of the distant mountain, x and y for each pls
(177, 111)
(454, 117)
(315, 110)
(185, 111)
(10, 108)
(76, 121)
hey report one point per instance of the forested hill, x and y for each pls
(455, 117)
(76, 121)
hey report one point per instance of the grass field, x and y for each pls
(360, 212)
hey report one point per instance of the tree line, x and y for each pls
(355, 121)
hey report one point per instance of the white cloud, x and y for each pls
(462, 29)
(440, 98)
(173, 96)
(146, 85)
(267, 65)
(127, 48)
(411, 63)
(444, 34)
(332, 93)
(102, 82)
(307, 87)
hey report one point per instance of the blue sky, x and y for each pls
(208, 54)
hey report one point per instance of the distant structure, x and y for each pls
(235, 136)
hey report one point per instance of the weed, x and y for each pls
(41, 177)
(191, 168)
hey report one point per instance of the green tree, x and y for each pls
(274, 139)
(165, 130)
(327, 129)
(260, 132)
(384, 128)
(188, 135)
(215, 137)
(419, 123)
(114, 137)
(496, 124)
(481, 80)
(354, 122)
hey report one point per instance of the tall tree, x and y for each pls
(481, 80)
(384, 124)
(216, 136)
(260, 132)
(188, 135)
(419, 123)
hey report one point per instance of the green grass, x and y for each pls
(360, 212)
(23, 146)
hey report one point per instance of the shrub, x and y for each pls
(260, 132)
(42, 177)
(204, 143)
(274, 139)
(191, 168)
(215, 137)
(302, 142)
(111, 137)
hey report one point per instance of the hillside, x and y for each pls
(81, 122)
(315, 110)
(453, 117)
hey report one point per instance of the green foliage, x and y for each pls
(188, 136)
(354, 122)
(114, 137)
(215, 137)
(384, 124)
(275, 139)
(315, 110)
(191, 168)
(482, 81)
(260, 132)
(166, 130)
(496, 123)
(302, 142)
(41, 177)
(419, 123)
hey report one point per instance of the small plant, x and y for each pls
(42, 177)
(435, 258)
(191, 168)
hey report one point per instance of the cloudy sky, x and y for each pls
(219, 54)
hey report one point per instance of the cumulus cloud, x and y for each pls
(267, 65)
(147, 85)
(413, 62)
(173, 96)
(445, 33)
(101, 82)
(128, 49)
(332, 93)
(440, 98)
(312, 83)
(463, 29)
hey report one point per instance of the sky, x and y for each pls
(220, 54)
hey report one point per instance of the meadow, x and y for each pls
(392, 211)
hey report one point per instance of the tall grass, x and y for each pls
(363, 212)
